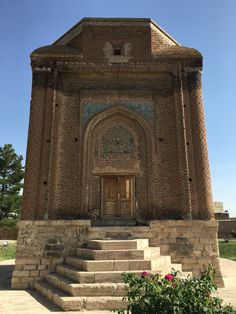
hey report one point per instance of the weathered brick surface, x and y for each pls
(159, 40)
(152, 94)
(202, 173)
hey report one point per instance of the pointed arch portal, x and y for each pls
(116, 168)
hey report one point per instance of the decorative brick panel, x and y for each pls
(202, 172)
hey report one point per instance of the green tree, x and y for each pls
(11, 177)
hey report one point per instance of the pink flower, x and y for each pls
(169, 277)
(145, 274)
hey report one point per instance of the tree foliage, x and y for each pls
(11, 177)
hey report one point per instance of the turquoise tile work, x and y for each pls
(90, 110)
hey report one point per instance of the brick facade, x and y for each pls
(124, 72)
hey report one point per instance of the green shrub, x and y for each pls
(153, 294)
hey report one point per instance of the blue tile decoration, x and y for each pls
(90, 110)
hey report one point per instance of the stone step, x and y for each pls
(136, 244)
(95, 276)
(146, 253)
(60, 282)
(72, 273)
(92, 280)
(119, 265)
(177, 267)
(51, 293)
(69, 303)
(88, 289)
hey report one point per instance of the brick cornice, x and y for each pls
(73, 66)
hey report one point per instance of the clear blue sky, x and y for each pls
(208, 25)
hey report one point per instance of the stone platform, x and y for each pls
(23, 301)
(92, 280)
(43, 245)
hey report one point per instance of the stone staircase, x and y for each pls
(92, 280)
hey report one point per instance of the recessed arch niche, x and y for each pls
(117, 143)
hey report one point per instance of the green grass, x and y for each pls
(228, 250)
(7, 252)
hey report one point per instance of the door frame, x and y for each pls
(132, 211)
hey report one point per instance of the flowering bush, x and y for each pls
(153, 294)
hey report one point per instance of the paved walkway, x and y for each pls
(228, 269)
(28, 302)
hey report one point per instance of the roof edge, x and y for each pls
(164, 32)
(114, 19)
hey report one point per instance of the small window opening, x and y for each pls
(117, 51)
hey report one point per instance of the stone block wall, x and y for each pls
(193, 243)
(41, 245)
(44, 244)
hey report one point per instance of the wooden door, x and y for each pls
(118, 192)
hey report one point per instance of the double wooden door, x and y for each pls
(117, 197)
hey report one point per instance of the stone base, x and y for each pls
(42, 245)
(113, 222)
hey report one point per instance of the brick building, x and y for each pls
(117, 137)
(117, 126)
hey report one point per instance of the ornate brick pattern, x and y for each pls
(92, 41)
(202, 172)
(182, 149)
(33, 180)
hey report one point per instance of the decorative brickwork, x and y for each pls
(202, 173)
(117, 136)
(79, 108)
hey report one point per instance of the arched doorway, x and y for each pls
(116, 168)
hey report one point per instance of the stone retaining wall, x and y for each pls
(41, 245)
(44, 244)
(193, 243)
